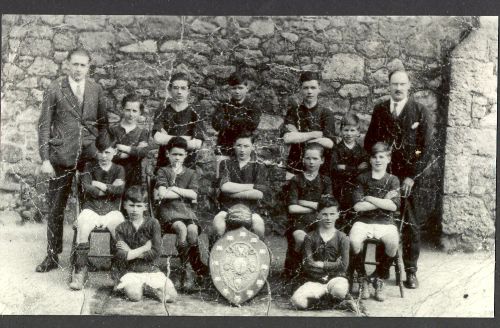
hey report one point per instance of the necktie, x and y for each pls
(79, 94)
(395, 109)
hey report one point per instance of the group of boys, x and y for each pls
(325, 179)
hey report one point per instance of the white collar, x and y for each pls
(401, 105)
(74, 83)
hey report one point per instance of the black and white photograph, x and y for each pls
(317, 166)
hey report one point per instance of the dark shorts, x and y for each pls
(166, 226)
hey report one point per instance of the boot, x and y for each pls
(187, 274)
(201, 269)
(365, 288)
(50, 262)
(378, 284)
(385, 264)
(80, 271)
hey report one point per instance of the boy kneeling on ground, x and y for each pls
(135, 269)
(376, 198)
(326, 257)
(102, 184)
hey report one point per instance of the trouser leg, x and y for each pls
(410, 236)
(59, 190)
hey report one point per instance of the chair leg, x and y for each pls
(398, 269)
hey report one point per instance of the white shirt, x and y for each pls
(74, 84)
(401, 105)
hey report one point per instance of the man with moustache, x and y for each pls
(403, 123)
(74, 112)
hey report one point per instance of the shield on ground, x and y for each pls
(239, 265)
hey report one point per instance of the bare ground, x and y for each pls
(452, 285)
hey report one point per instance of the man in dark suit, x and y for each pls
(74, 112)
(404, 124)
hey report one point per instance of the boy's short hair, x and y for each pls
(327, 201)
(179, 76)
(104, 141)
(309, 76)
(79, 51)
(237, 78)
(132, 97)
(177, 142)
(351, 119)
(314, 146)
(136, 194)
(381, 147)
(244, 134)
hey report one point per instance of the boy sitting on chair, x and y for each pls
(376, 198)
(305, 191)
(242, 181)
(131, 140)
(177, 189)
(138, 241)
(326, 257)
(103, 185)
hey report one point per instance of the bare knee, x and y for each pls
(192, 234)
(258, 225)
(298, 238)
(219, 223)
(180, 230)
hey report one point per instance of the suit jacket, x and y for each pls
(408, 134)
(66, 130)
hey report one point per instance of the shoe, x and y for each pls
(78, 279)
(411, 281)
(365, 289)
(378, 284)
(50, 262)
(189, 277)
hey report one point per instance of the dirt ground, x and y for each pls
(452, 285)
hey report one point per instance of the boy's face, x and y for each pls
(310, 90)
(312, 160)
(328, 216)
(79, 65)
(379, 161)
(177, 156)
(105, 157)
(132, 112)
(243, 148)
(399, 86)
(134, 210)
(239, 91)
(350, 133)
(179, 91)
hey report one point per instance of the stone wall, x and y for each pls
(139, 53)
(469, 202)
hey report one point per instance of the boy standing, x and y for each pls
(376, 198)
(177, 189)
(236, 115)
(242, 181)
(309, 122)
(326, 257)
(102, 184)
(132, 141)
(349, 159)
(178, 119)
(138, 243)
(305, 191)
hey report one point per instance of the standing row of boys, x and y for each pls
(73, 132)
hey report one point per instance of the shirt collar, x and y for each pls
(401, 104)
(74, 83)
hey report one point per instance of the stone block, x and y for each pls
(290, 37)
(332, 35)
(251, 43)
(371, 49)
(308, 45)
(475, 46)
(159, 26)
(64, 41)
(489, 121)
(354, 90)
(221, 21)
(459, 109)
(32, 31)
(262, 27)
(10, 19)
(395, 64)
(270, 122)
(43, 66)
(97, 40)
(202, 27)
(196, 60)
(456, 175)
(86, 22)
(457, 140)
(484, 142)
(251, 57)
(337, 105)
(12, 73)
(222, 72)
(380, 76)
(52, 19)
(347, 67)
(121, 20)
(322, 23)
(35, 47)
(473, 76)
(28, 83)
(479, 106)
(11, 153)
(107, 83)
(138, 69)
(421, 45)
(140, 47)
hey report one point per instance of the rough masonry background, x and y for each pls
(139, 53)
